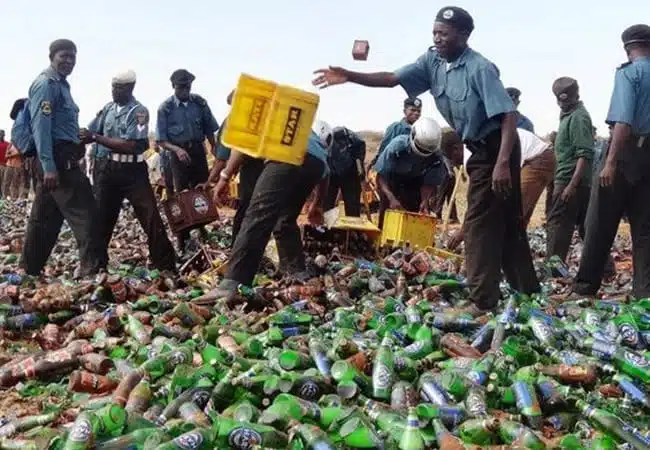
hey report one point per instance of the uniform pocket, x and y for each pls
(175, 130)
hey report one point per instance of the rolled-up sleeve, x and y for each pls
(582, 136)
(621, 106)
(40, 110)
(415, 78)
(493, 94)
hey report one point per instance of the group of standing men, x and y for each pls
(46, 131)
(470, 96)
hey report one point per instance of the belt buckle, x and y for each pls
(123, 158)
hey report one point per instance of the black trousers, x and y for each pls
(628, 195)
(563, 218)
(349, 183)
(495, 237)
(444, 196)
(73, 201)
(279, 195)
(250, 171)
(187, 176)
(406, 190)
(115, 182)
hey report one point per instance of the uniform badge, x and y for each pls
(46, 108)
(448, 14)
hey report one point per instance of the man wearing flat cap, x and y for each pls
(470, 96)
(64, 192)
(522, 121)
(574, 153)
(624, 182)
(412, 112)
(121, 132)
(184, 123)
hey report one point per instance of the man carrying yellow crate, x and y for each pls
(279, 194)
(410, 169)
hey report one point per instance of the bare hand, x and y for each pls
(456, 240)
(607, 174)
(330, 77)
(501, 180)
(203, 186)
(183, 156)
(315, 215)
(221, 191)
(567, 193)
(393, 203)
(50, 180)
(424, 207)
(85, 136)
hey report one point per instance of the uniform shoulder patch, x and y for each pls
(142, 117)
(46, 108)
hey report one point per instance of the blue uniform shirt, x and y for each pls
(347, 148)
(394, 129)
(468, 94)
(315, 149)
(129, 122)
(221, 152)
(399, 159)
(54, 115)
(524, 123)
(183, 122)
(630, 102)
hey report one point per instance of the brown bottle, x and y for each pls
(140, 398)
(50, 337)
(611, 391)
(585, 374)
(123, 390)
(82, 381)
(96, 363)
(454, 345)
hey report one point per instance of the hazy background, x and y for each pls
(285, 40)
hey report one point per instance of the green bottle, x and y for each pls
(613, 426)
(113, 420)
(412, 437)
(528, 403)
(570, 442)
(293, 360)
(137, 331)
(83, 433)
(383, 371)
(312, 437)
(358, 432)
(246, 412)
(318, 353)
(246, 435)
(133, 440)
(166, 362)
(344, 371)
(630, 362)
(514, 432)
(453, 383)
(479, 431)
(197, 439)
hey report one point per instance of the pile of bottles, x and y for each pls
(366, 355)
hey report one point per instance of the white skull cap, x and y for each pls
(126, 77)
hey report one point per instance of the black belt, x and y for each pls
(642, 142)
(480, 144)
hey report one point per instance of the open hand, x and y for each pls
(330, 77)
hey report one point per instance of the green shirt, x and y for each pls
(575, 140)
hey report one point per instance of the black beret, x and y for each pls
(513, 92)
(182, 76)
(565, 86)
(61, 44)
(636, 34)
(456, 17)
(411, 101)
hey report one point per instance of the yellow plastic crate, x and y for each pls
(401, 227)
(270, 121)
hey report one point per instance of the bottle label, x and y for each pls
(629, 335)
(309, 391)
(382, 377)
(542, 331)
(244, 438)
(636, 359)
(189, 441)
(201, 398)
(475, 404)
(523, 395)
(603, 350)
(414, 347)
(81, 431)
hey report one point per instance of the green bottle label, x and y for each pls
(242, 438)
(382, 377)
(636, 359)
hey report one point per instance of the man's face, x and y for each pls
(121, 93)
(567, 102)
(412, 113)
(447, 40)
(64, 61)
(182, 91)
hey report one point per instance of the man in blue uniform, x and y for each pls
(279, 195)
(412, 112)
(346, 155)
(184, 123)
(522, 121)
(410, 169)
(470, 96)
(121, 132)
(624, 182)
(64, 192)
